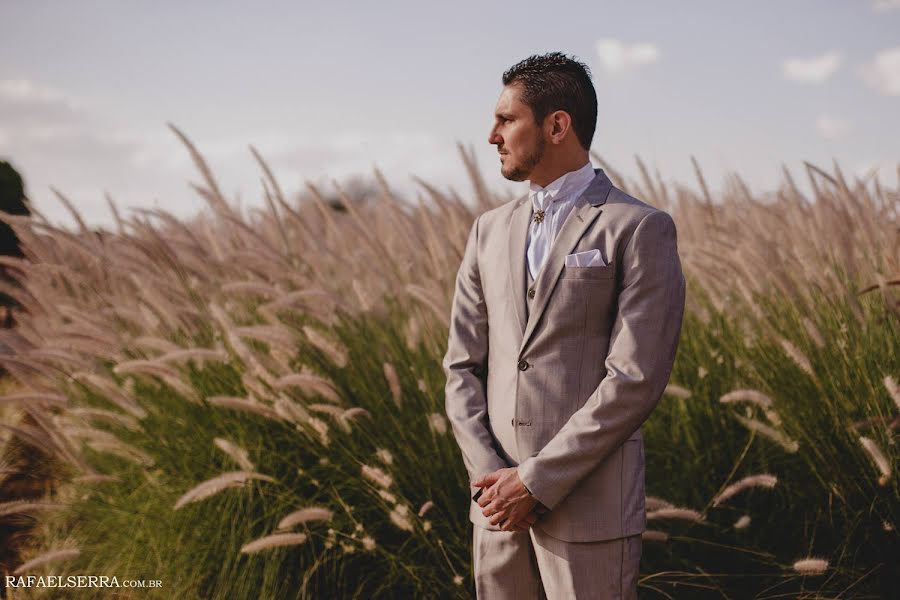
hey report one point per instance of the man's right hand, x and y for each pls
(530, 518)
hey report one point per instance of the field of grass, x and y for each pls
(248, 406)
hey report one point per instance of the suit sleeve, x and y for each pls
(465, 363)
(642, 348)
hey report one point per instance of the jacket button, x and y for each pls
(531, 293)
(523, 364)
(512, 422)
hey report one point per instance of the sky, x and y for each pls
(329, 91)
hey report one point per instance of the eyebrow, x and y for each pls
(503, 115)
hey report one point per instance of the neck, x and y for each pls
(550, 170)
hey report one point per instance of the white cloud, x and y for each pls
(885, 5)
(811, 70)
(617, 57)
(832, 128)
(883, 72)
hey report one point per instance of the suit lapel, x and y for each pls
(586, 210)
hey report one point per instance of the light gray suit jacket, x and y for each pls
(562, 389)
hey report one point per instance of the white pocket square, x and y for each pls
(589, 258)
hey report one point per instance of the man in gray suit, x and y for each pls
(565, 321)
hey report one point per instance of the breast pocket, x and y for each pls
(604, 272)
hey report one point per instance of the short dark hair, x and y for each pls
(552, 82)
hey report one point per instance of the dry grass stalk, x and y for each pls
(762, 480)
(769, 432)
(46, 558)
(684, 514)
(235, 452)
(377, 476)
(878, 457)
(215, 485)
(811, 566)
(276, 540)
(311, 384)
(754, 396)
(305, 515)
(390, 373)
(677, 391)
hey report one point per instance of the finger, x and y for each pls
(485, 480)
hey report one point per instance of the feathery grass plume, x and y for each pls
(274, 335)
(95, 478)
(156, 343)
(274, 541)
(215, 485)
(89, 414)
(425, 508)
(183, 389)
(244, 404)
(56, 355)
(201, 355)
(304, 515)
(384, 455)
(677, 391)
(421, 385)
(761, 480)
(14, 507)
(292, 411)
(330, 348)
(743, 522)
(654, 503)
(811, 566)
(41, 398)
(797, 356)
(350, 415)
(327, 409)
(321, 428)
(47, 557)
(893, 389)
(235, 452)
(258, 288)
(773, 434)
(368, 543)
(311, 384)
(813, 332)
(651, 535)
(122, 450)
(881, 461)
(400, 517)
(390, 373)
(685, 514)
(114, 394)
(754, 396)
(376, 475)
(145, 367)
(702, 372)
(437, 423)
(387, 496)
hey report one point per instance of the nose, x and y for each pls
(494, 137)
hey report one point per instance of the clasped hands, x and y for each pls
(506, 502)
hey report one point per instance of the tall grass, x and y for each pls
(255, 403)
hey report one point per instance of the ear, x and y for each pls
(560, 125)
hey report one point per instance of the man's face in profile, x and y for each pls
(518, 138)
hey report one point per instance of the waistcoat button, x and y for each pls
(531, 293)
(523, 364)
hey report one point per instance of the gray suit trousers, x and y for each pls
(531, 565)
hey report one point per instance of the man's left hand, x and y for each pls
(506, 501)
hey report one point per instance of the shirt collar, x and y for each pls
(560, 187)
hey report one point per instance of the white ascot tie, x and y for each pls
(543, 206)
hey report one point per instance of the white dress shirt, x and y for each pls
(557, 201)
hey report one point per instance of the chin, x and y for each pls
(512, 173)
